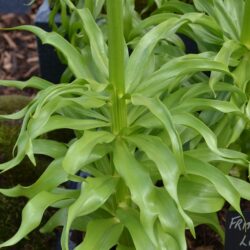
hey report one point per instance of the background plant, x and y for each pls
(222, 28)
(146, 131)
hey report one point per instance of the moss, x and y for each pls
(13, 103)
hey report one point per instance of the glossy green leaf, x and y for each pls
(52, 177)
(236, 10)
(173, 225)
(223, 17)
(94, 193)
(209, 156)
(75, 60)
(199, 89)
(129, 168)
(174, 6)
(166, 163)
(58, 219)
(32, 215)
(182, 67)
(15, 116)
(241, 73)
(163, 158)
(79, 152)
(210, 138)
(101, 234)
(209, 219)
(245, 31)
(96, 39)
(219, 180)
(145, 48)
(33, 82)
(223, 56)
(197, 104)
(241, 186)
(161, 112)
(61, 122)
(94, 6)
(24, 147)
(149, 22)
(198, 195)
(50, 148)
(204, 6)
(131, 220)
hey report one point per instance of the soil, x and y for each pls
(19, 61)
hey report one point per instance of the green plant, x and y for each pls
(146, 131)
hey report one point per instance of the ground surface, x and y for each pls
(18, 54)
(19, 61)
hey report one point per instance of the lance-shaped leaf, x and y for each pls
(173, 225)
(199, 89)
(166, 163)
(215, 176)
(176, 7)
(241, 186)
(79, 152)
(61, 122)
(96, 39)
(149, 22)
(33, 82)
(204, 6)
(144, 49)
(241, 73)
(141, 189)
(236, 10)
(198, 195)
(101, 234)
(223, 56)
(208, 155)
(94, 6)
(197, 104)
(131, 220)
(32, 214)
(55, 92)
(211, 220)
(163, 158)
(43, 121)
(161, 112)
(24, 147)
(53, 149)
(245, 32)
(223, 17)
(94, 193)
(178, 69)
(76, 62)
(58, 219)
(15, 116)
(52, 177)
(191, 121)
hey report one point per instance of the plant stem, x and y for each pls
(245, 32)
(116, 64)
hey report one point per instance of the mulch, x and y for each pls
(19, 61)
(18, 50)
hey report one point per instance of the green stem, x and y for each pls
(245, 32)
(116, 64)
